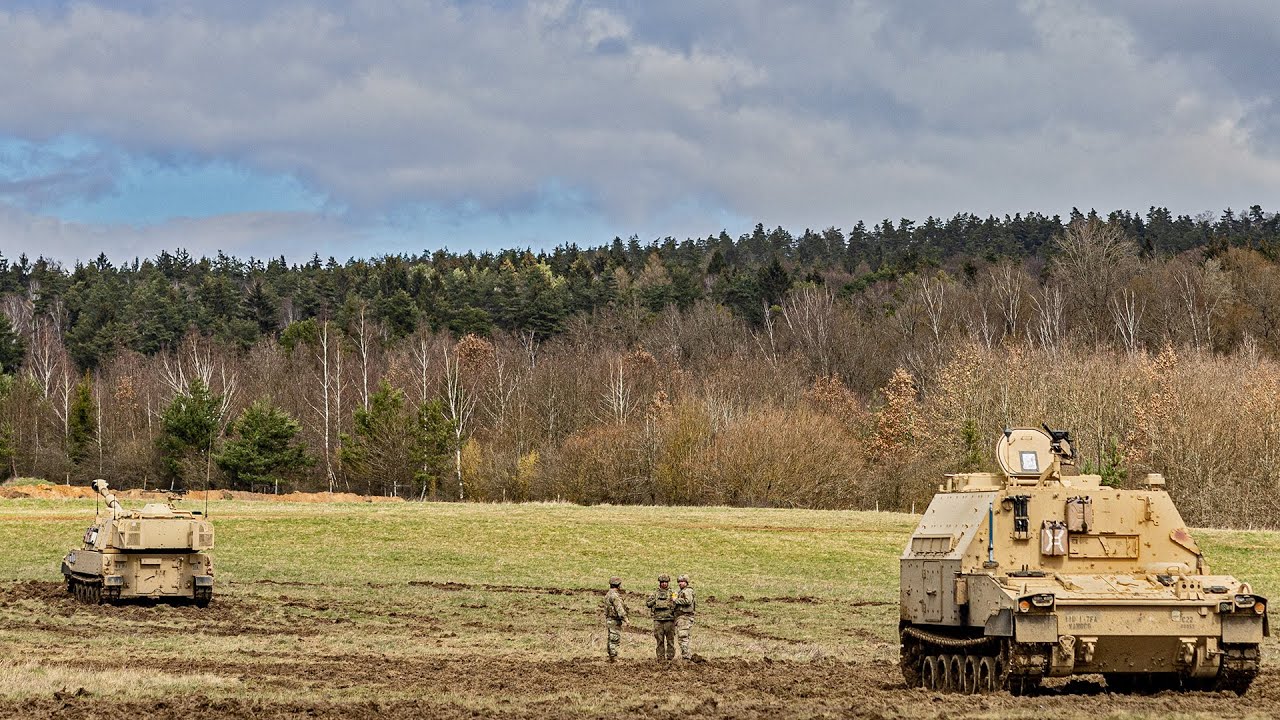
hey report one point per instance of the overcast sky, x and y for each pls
(379, 126)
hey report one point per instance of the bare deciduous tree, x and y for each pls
(1127, 313)
(1204, 290)
(1008, 290)
(197, 358)
(979, 328)
(1093, 262)
(618, 402)
(50, 368)
(809, 313)
(327, 407)
(459, 406)
(364, 333)
(1048, 329)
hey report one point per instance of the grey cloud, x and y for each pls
(1232, 44)
(35, 177)
(806, 113)
(296, 235)
(968, 27)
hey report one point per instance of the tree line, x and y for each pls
(824, 369)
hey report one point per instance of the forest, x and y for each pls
(827, 369)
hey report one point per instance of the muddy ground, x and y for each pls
(286, 652)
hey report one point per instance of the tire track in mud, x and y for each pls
(226, 616)
(474, 684)
(510, 687)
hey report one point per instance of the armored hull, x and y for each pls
(157, 552)
(1037, 572)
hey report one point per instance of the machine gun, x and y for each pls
(1060, 443)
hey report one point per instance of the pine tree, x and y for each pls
(81, 421)
(383, 448)
(262, 450)
(774, 282)
(398, 313)
(11, 346)
(159, 316)
(434, 451)
(8, 450)
(543, 305)
(188, 428)
(260, 309)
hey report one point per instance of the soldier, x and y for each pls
(615, 614)
(685, 607)
(662, 603)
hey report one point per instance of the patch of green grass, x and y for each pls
(314, 585)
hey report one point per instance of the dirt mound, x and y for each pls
(322, 497)
(67, 492)
(41, 591)
(293, 497)
(46, 492)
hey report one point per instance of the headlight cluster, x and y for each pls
(1039, 600)
(1245, 602)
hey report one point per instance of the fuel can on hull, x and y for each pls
(1038, 571)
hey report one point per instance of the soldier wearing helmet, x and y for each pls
(685, 607)
(615, 615)
(662, 603)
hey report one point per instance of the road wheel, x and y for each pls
(969, 675)
(986, 674)
(929, 673)
(955, 673)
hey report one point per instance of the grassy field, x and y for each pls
(348, 610)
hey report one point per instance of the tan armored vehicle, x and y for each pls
(1039, 572)
(157, 552)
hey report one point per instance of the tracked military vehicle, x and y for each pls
(1038, 571)
(157, 552)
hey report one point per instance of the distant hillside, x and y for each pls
(820, 369)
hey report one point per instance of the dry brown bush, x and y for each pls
(1207, 422)
(680, 434)
(861, 400)
(595, 465)
(787, 458)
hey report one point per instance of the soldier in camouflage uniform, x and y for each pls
(615, 614)
(662, 603)
(685, 606)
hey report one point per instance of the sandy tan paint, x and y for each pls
(1050, 573)
(155, 552)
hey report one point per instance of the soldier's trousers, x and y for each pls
(664, 631)
(615, 636)
(684, 628)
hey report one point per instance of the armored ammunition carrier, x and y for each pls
(157, 552)
(1039, 572)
